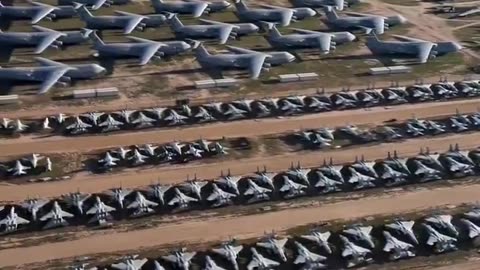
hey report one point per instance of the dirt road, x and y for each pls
(137, 178)
(246, 128)
(217, 229)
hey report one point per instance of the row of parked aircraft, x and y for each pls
(172, 152)
(261, 186)
(353, 246)
(325, 137)
(96, 122)
(31, 164)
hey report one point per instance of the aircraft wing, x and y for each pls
(47, 41)
(41, 13)
(304, 31)
(199, 9)
(47, 216)
(424, 50)
(148, 53)
(51, 78)
(300, 259)
(253, 264)
(220, 251)
(256, 65)
(408, 39)
(189, 255)
(132, 23)
(66, 214)
(225, 33)
(92, 210)
(4, 221)
(98, 4)
(134, 204)
(174, 200)
(137, 264)
(388, 246)
(286, 17)
(213, 196)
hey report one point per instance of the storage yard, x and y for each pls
(239, 135)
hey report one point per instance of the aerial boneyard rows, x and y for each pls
(251, 20)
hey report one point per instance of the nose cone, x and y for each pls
(350, 37)
(310, 12)
(457, 46)
(225, 4)
(290, 57)
(185, 46)
(99, 70)
(401, 19)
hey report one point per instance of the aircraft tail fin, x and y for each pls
(48, 62)
(174, 21)
(83, 11)
(273, 31)
(96, 39)
(331, 14)
(1, 4)
(200, 50)
(240, 5)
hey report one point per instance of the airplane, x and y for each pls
(33, 159)
(435, 127)
(256, 192)
(158, 192)
(122, 152)
(130, 263)
(274, 246)
(149, 149)
(203, 115)
(337, 4)
(269, 13)
(12, 221)
(354, 254)
(78, 126)
(473, 214)
(137, 157)
(234, 113)
(18, 169)
(118, 195)
(36, 12)
(361, 234)
(420, 49)
(392, 170)
(220, 197)
(229, 181)
(125, 115)
(264, 177)
(315, 138)
(309, 259)
(211, 265)
(292, 189)
(141, 205)
(176, 148)
(319, 103)
(319, 238)
(33, 206)
(100, 212)
(126, 21)
(241, 58)
(194, 187)
(216, 107)
(390, 21)
(143, 49)
(299, 173)
(19, 126)
(329, 178)
(195, 8)
(369, 24)
(397, 249)
(181, 200)
(41, 39)
(158, 266)
(260, 262)
(289, 108)
(457, 167)
(458, 125)
(94, 4)
(175, 118)
(229, 252)
(76, 200)
(439, 241)
(203, 145)
(5, 124)
(143, 121)
(403, 227)
(48, 168)
(56, 217)
(46, 123)
(443, 222)
(210, 29)
(472, 228)
(244, 104)
(110, 124)
(180, 259)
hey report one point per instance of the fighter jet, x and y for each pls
(315, 139)
(292, 189)
(137, 158)
(118, 195)
(229, 181)
(361, 234)
(33, 159)
(397, 249)
(264, 177)
(175, 118)
(260, 262)
(203, 115)
(180, 200)
(439, 241)
(318, 40)
(100, 212)
(473, 214)
(233, 113)
(19, 127)
(12, 221)
(392, 170)
(269, 13)
(18, 169)
(143, 49)
(180, 259)
(130, 263)
(195, 8)
(141, 205)
(56, 217)
(229, 252)
(290, 108)
(33, 206)
(443, 222)
(110, 124)
(256, 192)
(319, 103)
(220, 197)
(309, 259)
(176, 148)
(76, 200)
(41, 39)
(420, 49)
(354, 254)
(319, 238)
(6, 123)
(36, 12)
(149, 149)
(158, 191)
(122, 152)
(298, 173)
(194, 187)
(274, 246)
(143, 121)
(472, 228)
(126, 21)
(241, 58)
(211, 265)
(404, 228)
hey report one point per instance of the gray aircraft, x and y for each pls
(256, 192)
(138, 158)
(440, 242)
(329, 178)
(174, 118)
(233, 113)
(368, 24)
(36, 12)
(93, 4)
(420, 49)
(130, 263)
(299, 173)
(194, 187)
(397, 249)
(118, 195)
(194, 7)
(274, 246)
(229, 181)
(143, 121)
(110, 124)
(141, 205)
(405, 228)
(100, 211)
(473, 214)
(42, 38)
(472, 228)
(180, 259)
(309, 259)
(291, 189)
(361, 234)
(354, 254)
(158, 191)
(211, 265)
(319, 238)
(443, 222)
(180, 200)
(72, 37)
(78, 126)
(18, 169)
(33, 206)
(269, 13)
(56, 217)
(337, 4)
(126, 21)
(259, 262)
(12, 221)
(210, 29)
(229, 252)
(220, 197)
(76, 200)
(264, 177)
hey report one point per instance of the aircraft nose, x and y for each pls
(226, 4)
(186, 46)
(351, 37)
(311, 12)
(290, 57)
(100, 71)
(401, 19)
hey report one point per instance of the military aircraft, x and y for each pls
(110, 124)
(220, 197)
(229, 181)
(315, 138)
(274, 246)
(126, 21)
(157, 191)
(33, 206)
(404, 228)
(472, 228)
(35, 12)
(181, 200)
(473, 214)
(77, 200)
(392, 170)
(443, 222)
(18, 169)
(298, 173)
(19, 127)
(118, 195)
(374, 24)
(211, 265)
(354, 254)
(93, 117)
(100, 211)
(203, 115)
(420, 49)
(41, 39)
(256, 192)
(122, 152)
(137, 158)
(337, 4)
(180, 259)
(329, 178)
(12, 221)
(439, 241)
(361, 234)
(229, 252)
(309, 259)
(260, 262)
(141, 205)
(397, 249)
(195, 8)
(130, 263)
(143, 121)
(321, 41)
(269, 13)
(319, 238)
(175, 118)
(292, 189)
(233, 113)
(56, 217)
(149, 149)
(194, 187)
(264, 177)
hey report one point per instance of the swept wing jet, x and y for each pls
(100, 211)
(12, 221)
(229, 181)
(292, 189)
(130, 263)
(319, 238)
(143, 121)
(298, 173)
(175, 118)
(397, 249)
(141, 205)
(274, 246)
(32, 206)
(110, 124)
(137, 158)
(259, 262)
(443, 222)
(264, 177)
(220, 197)
(41, 39)
(19, 126)
(122, 152)
(203, 115)
(194, 151)
(361, 234)
(181, 200)
(76, 200)
(56, 217)
(439, 241)
(194, 187)
(472, 228)
(18, 169)
(354, 254)
(149, 149)
(118, 195)
(309, 259)
(376, 24)
(229, 252)
(232, 112)
(405, 228)
(157, 191)
(195, 8)
(211, 265)
(321, 41)
(35, 13)
(256, 192)
(180, 259)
